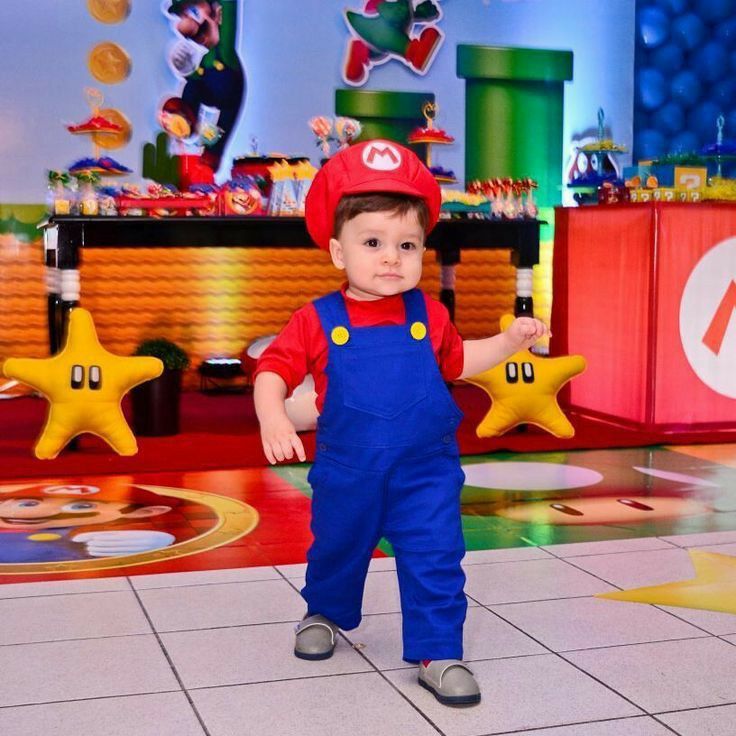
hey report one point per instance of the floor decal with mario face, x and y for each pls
(121, 525)
(169, 522)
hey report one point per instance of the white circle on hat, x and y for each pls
(381, 156)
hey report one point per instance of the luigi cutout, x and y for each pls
(215, 81)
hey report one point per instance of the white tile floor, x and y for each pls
(210, 653)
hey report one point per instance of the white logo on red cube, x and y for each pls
(708, 318)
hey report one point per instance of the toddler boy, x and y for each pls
(387, 461)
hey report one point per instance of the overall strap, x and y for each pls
(332, 312)
(415, 307)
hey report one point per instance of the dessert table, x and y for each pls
(66, 237)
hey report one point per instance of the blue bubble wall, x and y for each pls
(685, 75)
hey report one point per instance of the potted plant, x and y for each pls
(156, 403)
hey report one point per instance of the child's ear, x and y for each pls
(336, 253)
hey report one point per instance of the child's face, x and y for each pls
(381, 254)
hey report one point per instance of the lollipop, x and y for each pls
(322, 127)
(530, 207)
(347, 130)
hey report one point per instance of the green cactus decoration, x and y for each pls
(158, 164)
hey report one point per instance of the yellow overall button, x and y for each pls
(418, 331)
(340, 335)
(49, 537)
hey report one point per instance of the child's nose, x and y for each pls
(391, 254)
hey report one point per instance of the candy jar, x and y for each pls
(87, 193)
(60, 198)
(107, 202)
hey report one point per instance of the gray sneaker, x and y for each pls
(316, 637)
(450, 681)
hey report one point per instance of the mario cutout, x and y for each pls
(85, 385)
(523, 390)
(79, 527)
(391, 29)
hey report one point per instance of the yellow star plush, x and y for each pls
(523, 390)
(85, 385)
(712, 589)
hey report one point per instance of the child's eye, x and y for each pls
(372, 242)
(408, 246)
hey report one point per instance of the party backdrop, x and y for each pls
(280, 64)
(292, 53)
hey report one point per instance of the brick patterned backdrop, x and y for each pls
(214, 301)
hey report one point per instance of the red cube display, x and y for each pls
(647, 293)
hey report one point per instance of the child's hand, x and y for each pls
(525, 331)
(280, 440)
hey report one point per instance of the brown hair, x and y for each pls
(352, 205)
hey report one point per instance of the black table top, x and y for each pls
(448, 237)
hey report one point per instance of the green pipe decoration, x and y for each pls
(514, 114)
(384, 114)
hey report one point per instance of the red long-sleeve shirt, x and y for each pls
(301, 346)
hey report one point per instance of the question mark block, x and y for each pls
(690, 177)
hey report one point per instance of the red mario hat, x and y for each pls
(371, 166)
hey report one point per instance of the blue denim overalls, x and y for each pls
(387, 464)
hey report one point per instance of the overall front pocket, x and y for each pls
(389, 383)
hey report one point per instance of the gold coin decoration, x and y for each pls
(109, 11)
(114, 140)
(109, 63)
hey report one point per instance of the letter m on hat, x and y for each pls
(381, 156)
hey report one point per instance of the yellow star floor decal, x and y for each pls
(84, 385)
(712, 589)
(523, 390)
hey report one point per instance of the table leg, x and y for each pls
(69, 245)
(70, 287)
(447, 289)
(53, 286)
(62, 287)
(448, 258)
(524, 304)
